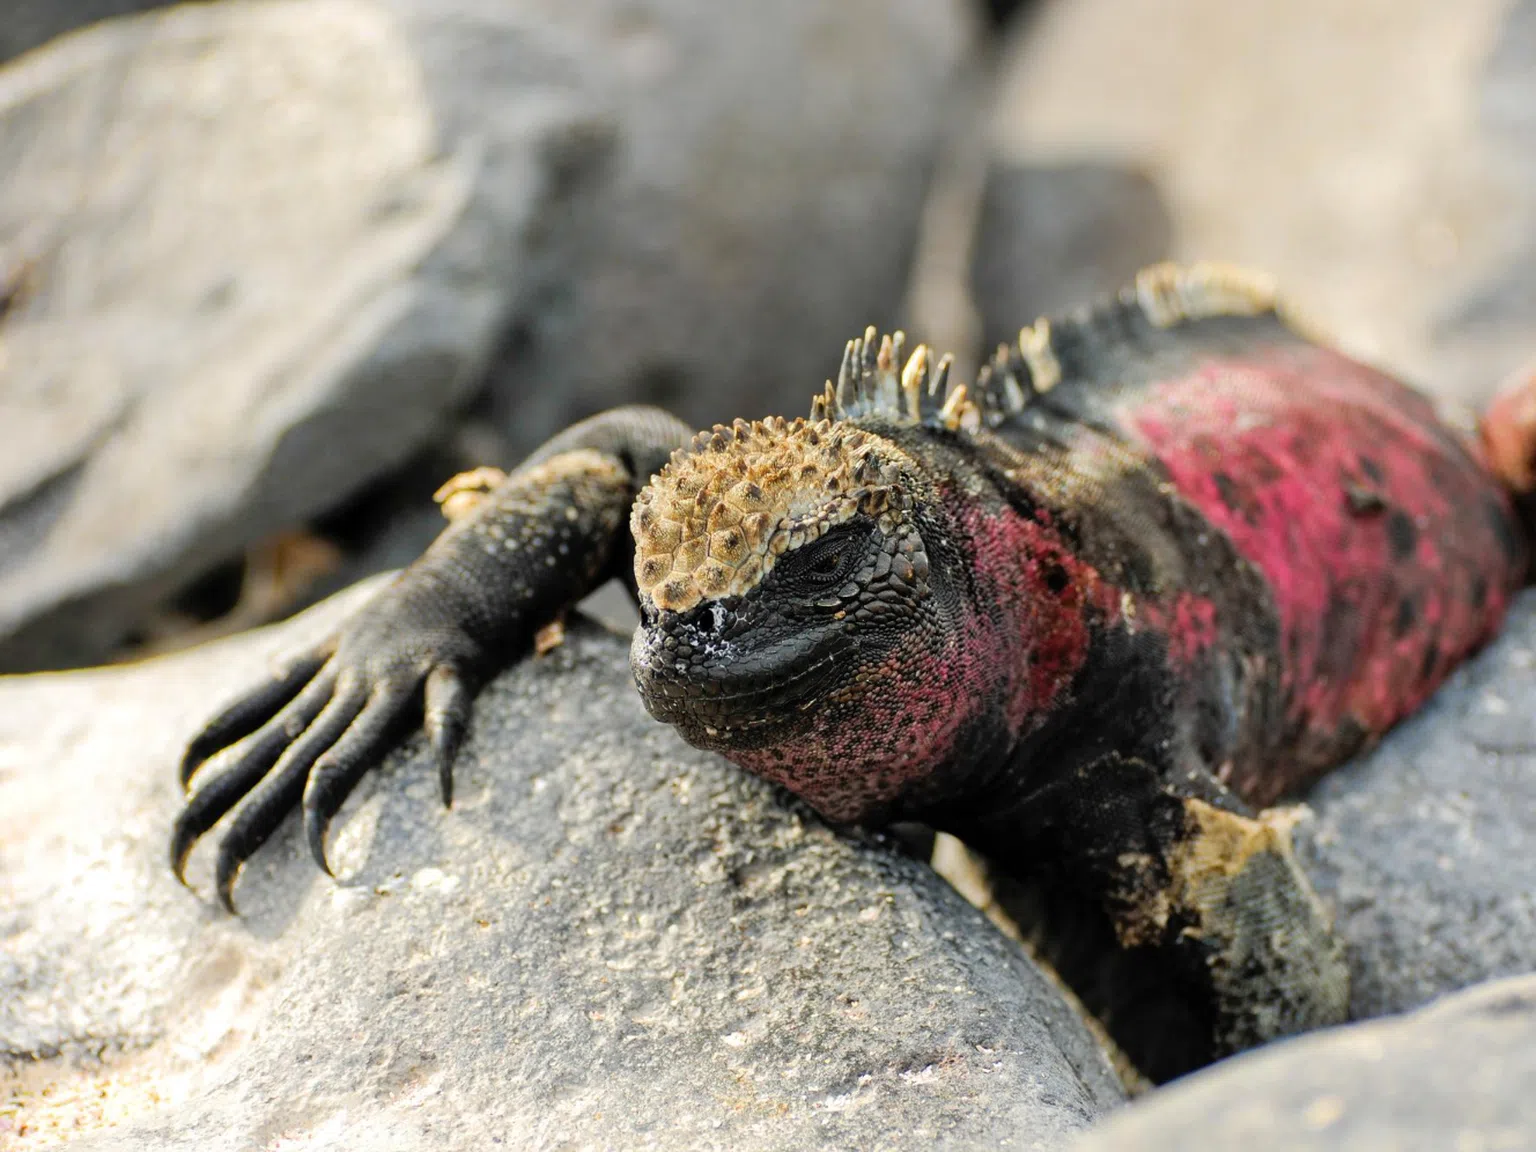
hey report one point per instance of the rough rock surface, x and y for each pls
(1456, 1075)
(1426, 847)
(612, 940)
(1379, 156)
(258, 253)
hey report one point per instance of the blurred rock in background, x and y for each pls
(255, 256)
(1053, 236)
(1378, 157)
(27, 24)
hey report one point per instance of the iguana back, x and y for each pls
(1368, 547)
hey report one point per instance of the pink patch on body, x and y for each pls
(895, 735)
(869, 743)
(1190, 625)
(1047, 597)
(1379, 540)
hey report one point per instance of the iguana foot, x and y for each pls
(1275, 965)
(515, 558)
(306, 736)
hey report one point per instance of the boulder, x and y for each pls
(254, 255)
(763, 206)
(1376, 157)
(1456, 1075)
(610, 940)
(251, 264)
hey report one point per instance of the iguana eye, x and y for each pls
(827, 564)
(823, 563)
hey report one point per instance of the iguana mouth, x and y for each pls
(737, 696)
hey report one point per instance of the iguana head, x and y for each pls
(800, 609)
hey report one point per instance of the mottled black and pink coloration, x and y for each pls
(1164, 563)
(1385, 551)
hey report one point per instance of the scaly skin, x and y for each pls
(1165, 563)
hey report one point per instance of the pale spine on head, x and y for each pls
(1163, 296)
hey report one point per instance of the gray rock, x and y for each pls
(763, 208)
(1456, 1075)
(612, 940)
(1053, 237)
(259, 262)
(267, 250)
(1378, 160)
(27, 24)
(1426, 847)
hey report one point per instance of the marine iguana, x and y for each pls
(1162, 564)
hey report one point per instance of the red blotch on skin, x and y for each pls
(1044, 597)
(1022, 652)
(1377, 532)
(1190, 626)
(865, 745)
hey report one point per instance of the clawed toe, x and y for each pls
(249, 713)
(447, 715)
(305, 738)
(353, 752)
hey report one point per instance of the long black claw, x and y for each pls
(314, 832)
(207, 806)
(447, 715)
(337, 772)
(250, 712)
(257, 819)
(209, 803)
(319, 736)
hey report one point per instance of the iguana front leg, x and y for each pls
(1181, 865)
(541, 540)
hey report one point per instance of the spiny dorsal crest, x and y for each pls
(1162, 296)
(719, 514)
(715, 519)
(878, 378)
(1169, 294)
